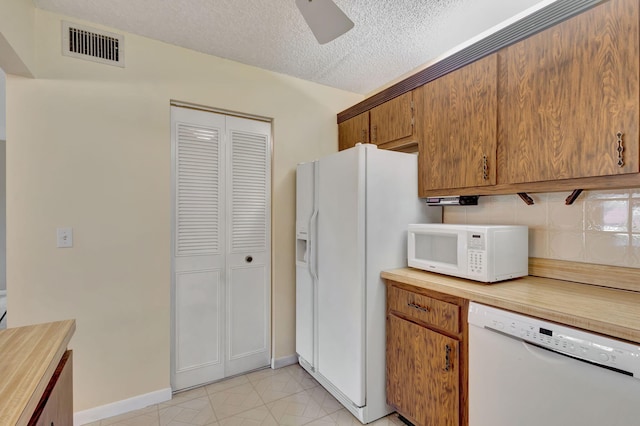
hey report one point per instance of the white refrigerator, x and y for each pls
(352, 212)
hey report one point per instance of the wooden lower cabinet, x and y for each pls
(56, 405)
(426, 356)
(423, 373)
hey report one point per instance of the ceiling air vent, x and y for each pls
(92, 45)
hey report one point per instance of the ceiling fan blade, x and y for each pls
(326, 20)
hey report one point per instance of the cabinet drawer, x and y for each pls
(439, 314)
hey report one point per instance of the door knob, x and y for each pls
(249, 259)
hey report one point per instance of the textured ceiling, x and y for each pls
(390, 38)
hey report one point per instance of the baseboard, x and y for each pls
(121, 407)
(284, 361)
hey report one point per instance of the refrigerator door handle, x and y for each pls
(313, 224)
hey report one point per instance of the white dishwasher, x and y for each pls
(527, 372)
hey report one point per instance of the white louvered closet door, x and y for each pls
(198, 247)
(220, 313)
(248, 261)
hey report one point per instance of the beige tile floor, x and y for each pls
(287, 396)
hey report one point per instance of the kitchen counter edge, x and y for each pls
(30, 355)
(602, 310)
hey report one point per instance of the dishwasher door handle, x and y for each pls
(537, 351)
(546, 354)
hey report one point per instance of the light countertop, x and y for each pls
(602, 310)
(28, 358)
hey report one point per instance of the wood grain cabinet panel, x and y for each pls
(422, 373)
(427, 353)
(457, 128)
(441, 315)
(390, 126)
(393, 120)
(354, 130)
(56, 405)
(566, 93)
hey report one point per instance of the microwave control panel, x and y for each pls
(476, 241)
(476, 253)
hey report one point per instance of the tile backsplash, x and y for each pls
(600, 227)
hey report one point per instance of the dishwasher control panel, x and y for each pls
(607, 352)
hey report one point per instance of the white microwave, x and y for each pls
(486, 253)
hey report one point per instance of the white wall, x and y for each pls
(90, 149)
(3, 110)
(3, 216)
(17, 45)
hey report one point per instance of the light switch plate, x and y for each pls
(65, 237)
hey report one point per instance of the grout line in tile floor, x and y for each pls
(287, 396)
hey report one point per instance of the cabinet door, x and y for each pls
(422, 373)
(457, 126)
(393, 120)
(56, 405)
(354, 130)
(566, 93)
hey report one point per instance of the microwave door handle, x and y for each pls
(313, 265)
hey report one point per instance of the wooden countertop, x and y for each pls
(28, 358)
(602, 310)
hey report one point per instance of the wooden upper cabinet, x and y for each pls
(565, 95)
(393, 120)
(354, 130)
(390, 126)
(456, 127)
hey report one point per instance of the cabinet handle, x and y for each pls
(418, 307)
(364, 136)
(620, 150)
(485, 168)
(374, 134)
(447, 358)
